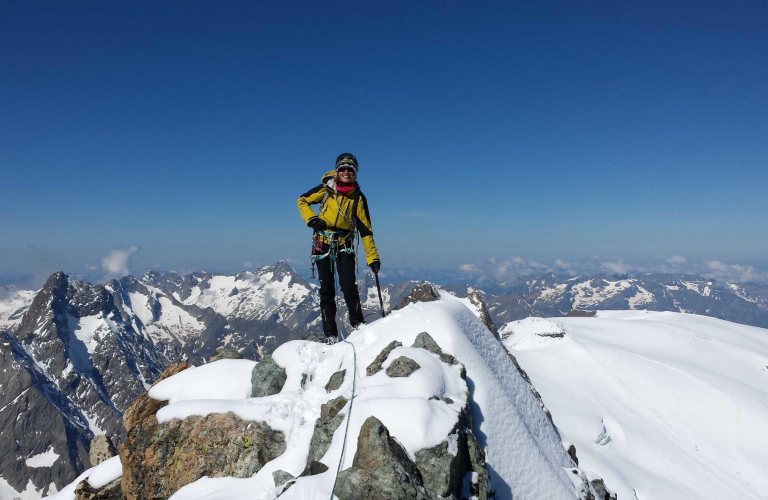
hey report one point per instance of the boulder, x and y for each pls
(329, 420)
(426, 342)
(144, 406)
(336, 380)
(577, 313)
(224, 353)
(281, 477)
(158, 459)
(110, 491)
(267, 378)
(377, 363)
(402, 367)
(102, 449)
(422, 293)
(381, 469)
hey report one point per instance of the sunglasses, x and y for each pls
(346, 168)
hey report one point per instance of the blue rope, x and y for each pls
(349, 416)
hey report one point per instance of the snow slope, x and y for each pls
(13, 305)
(525, 455)
(662, 405)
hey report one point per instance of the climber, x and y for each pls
(344, 212)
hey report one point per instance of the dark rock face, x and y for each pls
(111, 491)
(476, 298)
(402, 367)
(336, 380)
(102, 449)
(224, 353)
(581, 314)
(158, 459)
(603, 493)
(422, 293)
(381, 469)
(329, 420)
(377, 363)
(426, 342)
(267, 378)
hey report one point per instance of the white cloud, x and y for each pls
(614, 267)
(676, 260)
(248, 265)
(734, 272)
(91, 267)
(561, 264)
(469, 268)
(118, 262)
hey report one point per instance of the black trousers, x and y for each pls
(345, 267)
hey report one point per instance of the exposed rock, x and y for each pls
(101, 449)
(224, 353)
(442, 467)
(572, 453)
(111, 491)
(422, 293)
(576, 313)
(402, 367)
(603, 493)
(477, 300)
(381, 469)
(313, 468)
(425, 341)
(376, 364)
(314, 337)
(267, 378)
(158, 459)
(336, 380)
(329, 420)
(281, 477)
(144, 406)
(481, 488)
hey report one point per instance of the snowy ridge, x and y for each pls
(13, 304)
(503, 408)
(661, 405)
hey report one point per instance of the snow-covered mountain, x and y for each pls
(76, 354)
(662, 405)
(554, 295)
(439, 410)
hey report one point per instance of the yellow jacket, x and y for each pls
(337, 212)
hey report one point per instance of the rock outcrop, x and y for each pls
(402, 367)
(329, 420)
(111, 491)
(224, 353)
(267, 378)
(425, 292)
(381, 468)
(158, 459)
(102, 449)
(378, 362)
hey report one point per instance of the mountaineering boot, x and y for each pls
(330, 340)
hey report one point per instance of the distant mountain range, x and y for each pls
(75, 355)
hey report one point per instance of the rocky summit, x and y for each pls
(313, 420)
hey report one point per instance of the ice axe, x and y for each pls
(378, 287)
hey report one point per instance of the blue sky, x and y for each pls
(581, 131)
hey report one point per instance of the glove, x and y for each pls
(375, 266)
(317, 224)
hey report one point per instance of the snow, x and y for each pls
(8, 492)
(13, 306)
(641, 298)
(86, 330)
(45, 459)
(98, 476)
(257, 296)
(661, 405)
(504, 410)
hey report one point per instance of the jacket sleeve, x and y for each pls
(365, 229)
(311, 197)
